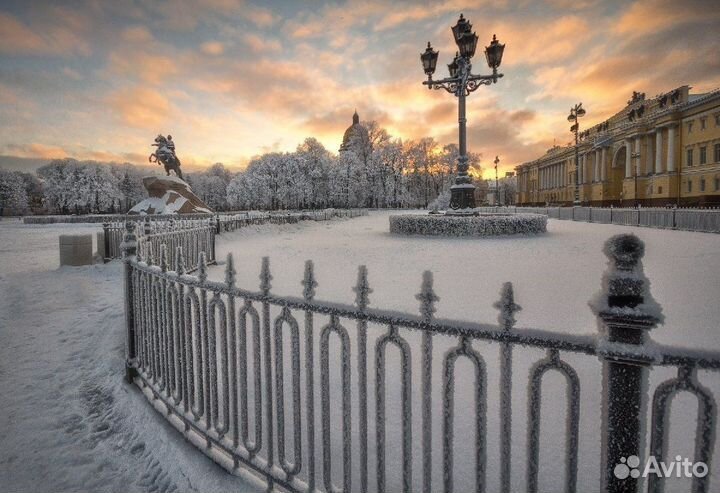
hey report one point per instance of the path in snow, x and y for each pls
(68, 422)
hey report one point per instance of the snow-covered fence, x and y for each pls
(702, 220)
(113, 233)
(244, 375)
(234, 222)
(180, 246)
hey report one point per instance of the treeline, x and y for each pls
(378, 171)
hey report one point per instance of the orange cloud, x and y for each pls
(262, 44)
(142, 107)
(212, 48)
(17, 38)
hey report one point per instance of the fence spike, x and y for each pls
(309, 283)
(179, 261)
(427, 296)
(230, 271)
(265, 276)
(362, 288)
(507, 306)
(202, 267)
(163, 257)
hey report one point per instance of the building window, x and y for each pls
(702, 184)
(689, 185)
(659, 189)
(689, 127)
(717, 153)
(703, 155)
(689, 157)
(717, 184)
(703, 123)
(717, 120)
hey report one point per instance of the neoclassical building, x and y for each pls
(654, 152)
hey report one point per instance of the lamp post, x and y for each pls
(497, 190)
(636, 157)
(461, 83)
(576, 112)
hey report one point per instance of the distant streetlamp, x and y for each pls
(497, 190)
(461, 83)
(576, 112)
(636, 156)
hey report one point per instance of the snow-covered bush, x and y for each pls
(481, 225)
(441, 203)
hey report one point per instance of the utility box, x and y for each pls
(76, 249)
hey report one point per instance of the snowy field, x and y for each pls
(68, 423)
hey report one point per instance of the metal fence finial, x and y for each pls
(202, 267)
(624, 301)
(427, 296)
(309, 283)
(507, 306)
(362, 288)
(179, 261)
(230, 271)
(265, 276)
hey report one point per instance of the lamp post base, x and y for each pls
(462, 199)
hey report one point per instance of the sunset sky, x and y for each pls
(230, 79)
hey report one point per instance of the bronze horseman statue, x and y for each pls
(165, 155)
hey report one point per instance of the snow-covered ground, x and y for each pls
(69, 423)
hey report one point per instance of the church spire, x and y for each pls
(356, 118)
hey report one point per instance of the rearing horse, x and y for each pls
(165, 156)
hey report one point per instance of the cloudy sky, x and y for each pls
(230, 79)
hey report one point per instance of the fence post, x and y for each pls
(129, 252)
(147, 228)
(217, 224)
(627, 311)
(106, 242)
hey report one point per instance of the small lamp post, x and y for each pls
(461, 83)
(576, 112)
(497, 190)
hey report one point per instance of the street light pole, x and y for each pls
(497, 190)
(576, 112)
(461, 83)
(636, 156)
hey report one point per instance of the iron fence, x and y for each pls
(701, 220)
(246, 376)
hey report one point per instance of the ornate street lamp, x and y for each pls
(461, 83)
(576, 112)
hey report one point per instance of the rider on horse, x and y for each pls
(165, 155)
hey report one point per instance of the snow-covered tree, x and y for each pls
(13, 193)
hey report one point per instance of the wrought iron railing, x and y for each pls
(245, 376)
(113, 232)
(702, 220)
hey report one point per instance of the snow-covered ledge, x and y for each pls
(482, 225)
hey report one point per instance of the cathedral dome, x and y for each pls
(355, 135)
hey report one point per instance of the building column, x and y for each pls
(603, 163)
(671, 150)
(650, 158)
(596, 166)
(638, 161)
(583, 161)
(658, 151)
(628, 159)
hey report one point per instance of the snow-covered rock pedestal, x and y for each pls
(169, 195)
(481, 225)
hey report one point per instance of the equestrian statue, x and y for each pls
(165, 155)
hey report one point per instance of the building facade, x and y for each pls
(655, 152)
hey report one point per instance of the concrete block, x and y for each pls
(76, 249)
